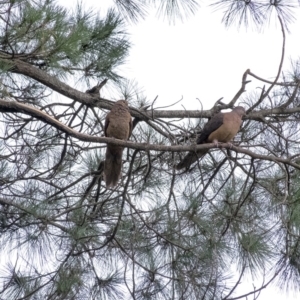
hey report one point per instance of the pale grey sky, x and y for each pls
(200, 58)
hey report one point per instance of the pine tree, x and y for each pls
(161, 233)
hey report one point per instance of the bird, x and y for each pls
(222, 127)
(118, 124)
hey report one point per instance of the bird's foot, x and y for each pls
(230, 144)
(216, 143)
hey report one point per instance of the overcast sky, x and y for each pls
(200, 58)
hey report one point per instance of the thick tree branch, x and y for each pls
(23, 68)
(12, 106)
(17, 107)
(94, 100)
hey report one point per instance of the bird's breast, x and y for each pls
(227, 131)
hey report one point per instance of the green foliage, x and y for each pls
(160, 234)
(50, 37)
(256, 13)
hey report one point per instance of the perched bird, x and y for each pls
(222, 127)
(118, 124)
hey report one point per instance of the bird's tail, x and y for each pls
(113, 165)
(190, 158)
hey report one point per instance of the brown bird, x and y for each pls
(222, 127)
(118, 124)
